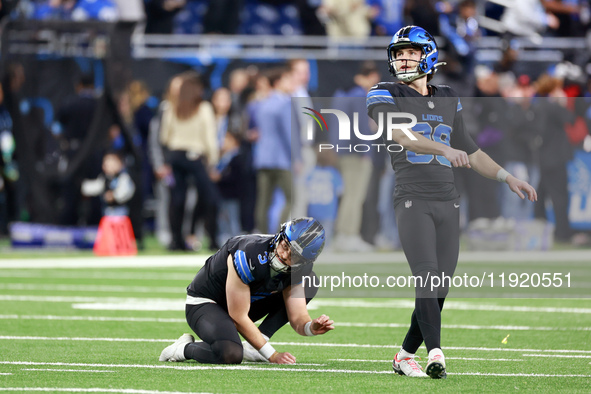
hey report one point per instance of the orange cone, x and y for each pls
(115, 237)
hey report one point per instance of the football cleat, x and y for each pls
(408, 367)
(436, 367)
(176, 351)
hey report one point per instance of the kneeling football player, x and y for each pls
(250, 277)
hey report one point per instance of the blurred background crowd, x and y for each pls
(199, 150)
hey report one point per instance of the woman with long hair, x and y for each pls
(188, 132)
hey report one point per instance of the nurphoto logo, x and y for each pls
(388, 121)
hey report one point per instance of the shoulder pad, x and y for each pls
(380, 94)
(444, 91)
(242, 267)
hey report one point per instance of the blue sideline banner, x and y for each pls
(579, 189)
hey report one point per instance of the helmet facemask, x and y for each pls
(418, 38)
(407, 75)
(305, 240)
(276, 263)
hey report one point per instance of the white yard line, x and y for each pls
(97, 274)
(304, 344)
(196, 260)
(465, 327)
(82, 339)
(447, 358)
(93, 390)
(67, 370)
(449, 305)
(556, 355)
(192, 366)
(114, 300)
(275, 369)
(93, 318)
(92, 288)
(524, 375)
(339, 324)
(178, 304)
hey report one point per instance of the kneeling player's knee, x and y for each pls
(228, 352)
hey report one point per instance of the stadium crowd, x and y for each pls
(251, 172)
(454, 19)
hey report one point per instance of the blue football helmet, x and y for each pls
(305, 237)
(414, 36)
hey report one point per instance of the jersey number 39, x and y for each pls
(440, 133)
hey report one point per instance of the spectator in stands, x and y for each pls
(528, 18)
(160, 15)
(130, 10)
(489, 122)
(425, 13)
(572, 15)
(75, 117)
(508, 60)
(222, 17)
(188, 133)
(113, 185)
(52, 9)
(262, 90)
(273, 149)
(387, 16)
(78, 10)
(387, 237)
(460, 28)
(19, 204)
(221, 101)
(355, 167)
(519, 146)
(553, 153)
(311, 23)
(230, 177)
(125, 138)
(6, 7)
(221, 104)
(300, 69)
(102, 10)
(240, 88)
(142, 115)
(162, 171)
(9, 173)
(346, 18)
(324, 187)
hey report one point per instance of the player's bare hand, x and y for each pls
(322, 325)
(520, 187)
(457, 158)
(282, 358)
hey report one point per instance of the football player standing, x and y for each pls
(250, 277)
(426, 200)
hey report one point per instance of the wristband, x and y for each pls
(308, 329)
(502, 175)
(267, 350)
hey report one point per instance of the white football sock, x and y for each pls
(402, 354)
(435, 352)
